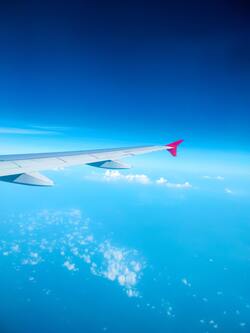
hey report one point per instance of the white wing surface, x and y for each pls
(24, 168)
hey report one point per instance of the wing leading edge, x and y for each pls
(24, 168)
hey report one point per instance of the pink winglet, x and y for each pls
(172, 147)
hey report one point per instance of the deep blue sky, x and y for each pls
(136, 70)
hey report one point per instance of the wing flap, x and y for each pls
(31, 179)
(110, 165)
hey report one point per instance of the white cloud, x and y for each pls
(110, 175)
(132, 293)
(33, 259)
(165, 182)
(228, 191)
(214, 177)
(161, 180)
(186, 282)
(70, 266)
(181, 185)
(115, 175)
(117, 266)
(15, 248)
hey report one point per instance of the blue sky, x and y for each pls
(136, 72)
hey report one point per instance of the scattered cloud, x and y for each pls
(68, 234)
(214, 177)
(161, 181)
(120, 265)
(110, 175)
(70, 266)
(228, 191)
(165, 182)
(115, 175)
(186, 282)
(32, 259)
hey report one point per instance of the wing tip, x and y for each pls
(172, 147)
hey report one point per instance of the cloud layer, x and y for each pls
(115, 175)
(68, 234)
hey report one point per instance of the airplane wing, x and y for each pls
(24, 168)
